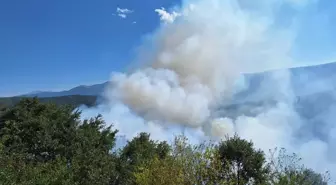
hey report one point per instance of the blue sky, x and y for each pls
(50, 45)
(58, 44)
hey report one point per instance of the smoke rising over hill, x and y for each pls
(197, 60)
(194, 66)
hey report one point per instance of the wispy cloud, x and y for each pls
(123, 12)
(167, 16)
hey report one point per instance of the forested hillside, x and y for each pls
(75, 100)
(46, 143)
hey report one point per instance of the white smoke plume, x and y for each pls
(195, 67)
(197, 60)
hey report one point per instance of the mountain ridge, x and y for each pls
(301, 79)
(87, 90)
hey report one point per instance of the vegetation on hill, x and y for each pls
(74, 100)
(45, 143)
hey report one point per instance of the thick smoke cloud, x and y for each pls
(197, 60)
(195, 73)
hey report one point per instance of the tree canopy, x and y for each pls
(46, 143)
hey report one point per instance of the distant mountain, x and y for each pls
(87, 90)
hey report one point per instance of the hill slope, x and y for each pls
(75, 100)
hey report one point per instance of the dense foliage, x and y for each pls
(45, 143)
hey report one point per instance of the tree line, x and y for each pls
(74, 100)
(49, 144)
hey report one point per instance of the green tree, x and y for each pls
(166, 171)
(139, 151)
(188, 164)
(286, 169)
(200, 163)
(93, 162)
(42, 133)
(14, 170)
(241, 162)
